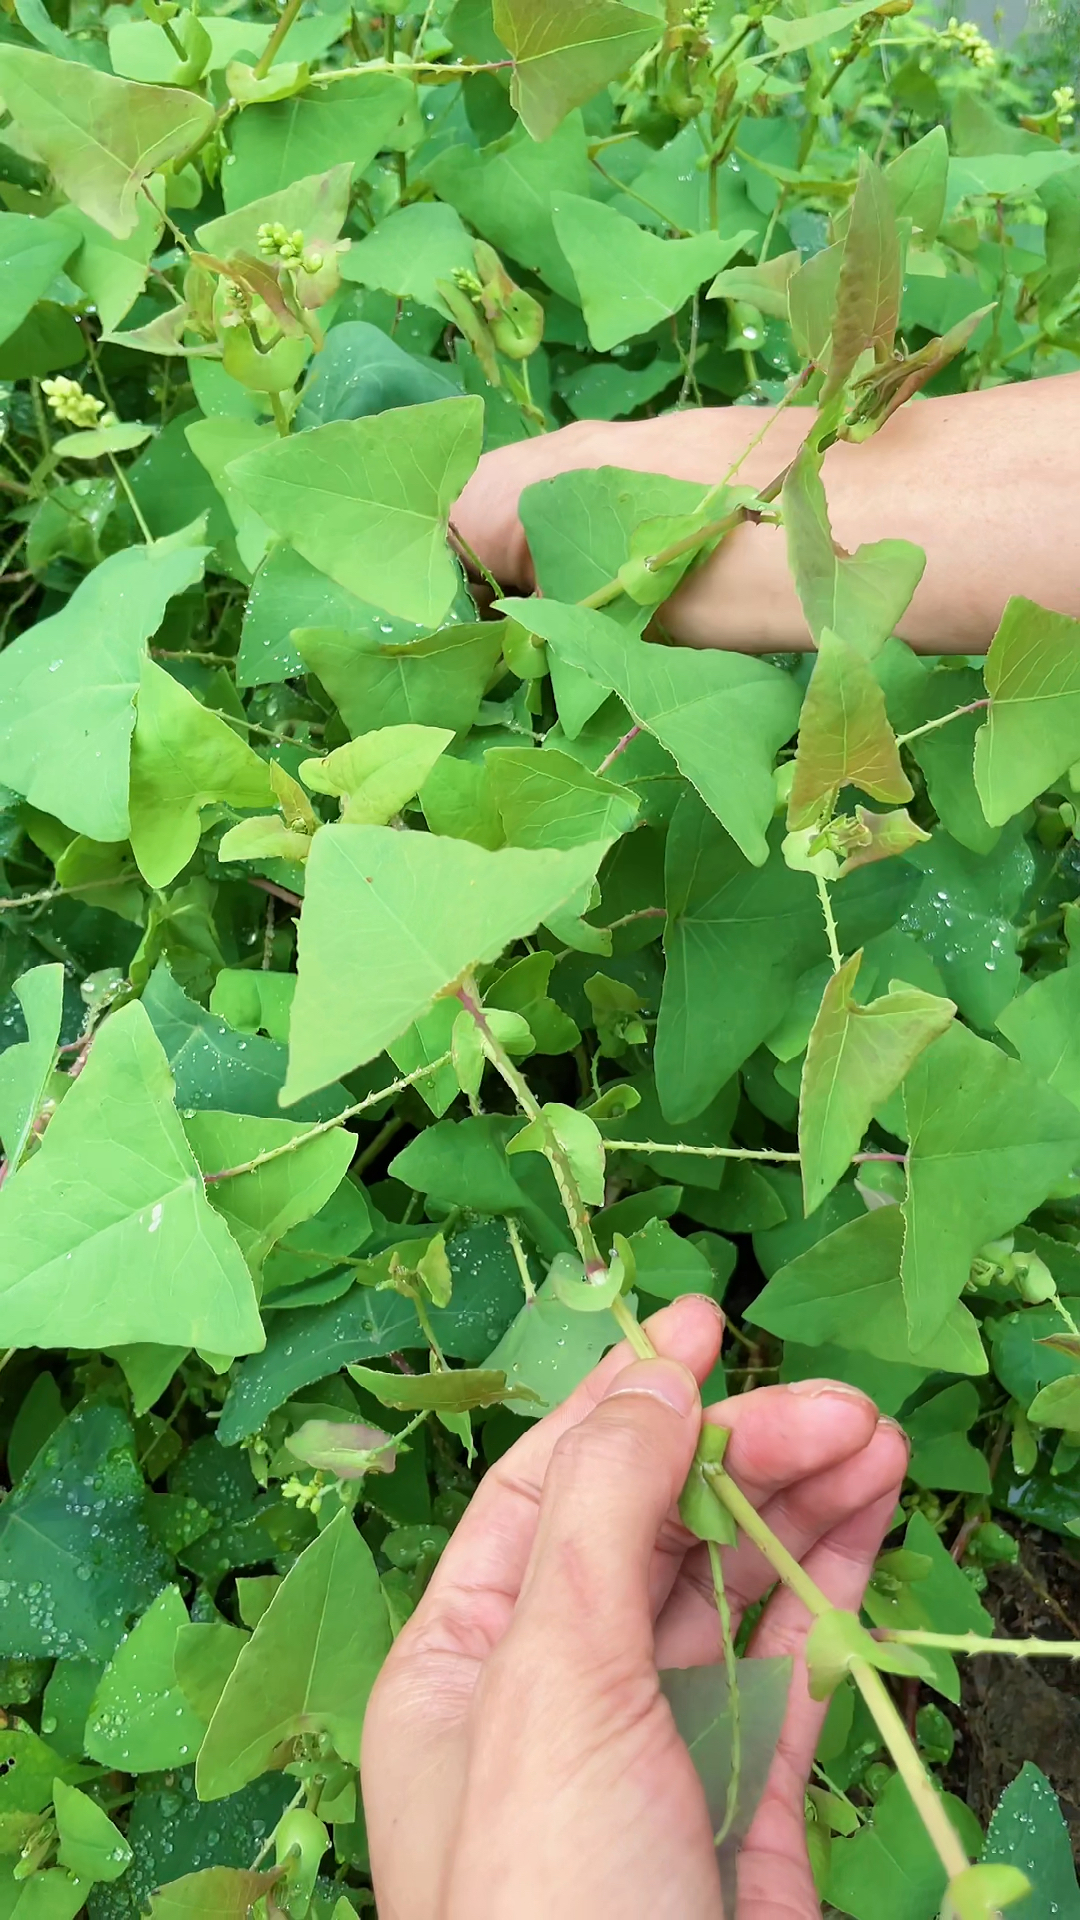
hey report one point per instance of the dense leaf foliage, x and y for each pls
(402, 985)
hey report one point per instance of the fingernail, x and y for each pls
(663, 1380)
(886, 1420)
(813, 1389)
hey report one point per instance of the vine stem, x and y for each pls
(727, 1641)
(931, 726)
(712, 529)
(981, 1643)
(576, 1211)
(704, 1153)
(269, 53)
(869, 1682)
(327, 1126)
(830, 923)
(125, 489)
(619, 747)
(57, 893)
(520, 1259)
(277, 408)
(470, 554)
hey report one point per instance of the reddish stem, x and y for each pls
(619, 747)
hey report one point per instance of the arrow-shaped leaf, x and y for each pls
(1032, 732)
(856, 1057)
(845, 739)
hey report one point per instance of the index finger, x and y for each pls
(486, 1557)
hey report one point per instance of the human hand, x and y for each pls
(688, 446)
(519, 1757)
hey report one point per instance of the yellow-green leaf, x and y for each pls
(857, 1057)
(101, 137)
(845, 739)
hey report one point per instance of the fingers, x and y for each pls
(471, 1597)
(610, 1485)
(800, 1513)
(840, 1564)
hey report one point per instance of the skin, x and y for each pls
(986, 483)
(518, 1756)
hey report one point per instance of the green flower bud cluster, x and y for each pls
(275, 242)
(965, 37)
(69, 403)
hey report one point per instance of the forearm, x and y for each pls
(986, 483)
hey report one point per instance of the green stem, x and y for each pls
(727, 1641)
(449, 72)
(576, 1212)
(704, 1153)
(269, 53)
(889, 1724)
(763, 1537)
(269, 1841)
(325, 1126)
(471, 554)
(700, 536)
(56, 893)
(981, 1643)
(931, 726)
(520, 1260)
(908, 1765)
(382, 1139)
(830, 923)
(281, 418)
(131, 500)
(173, 39)
(631, 1329)
(428, 1331)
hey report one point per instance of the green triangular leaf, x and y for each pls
(868, 290)
(90, 1846)
(26, 1066)
(548, 799)
(845, 739)
(68, 685)
(184, 756)
(261, 1207)
(1027, 1830)
(988, 1142)
(367, 501)
(722, 716)
(392, 919)
(31, 255)
(737, 938)
(375, 775)
(1043, 1025)
(563, 53)
(630, 280)
(435, 681)
(845, 1291)
(106, 1235)
(218, 1893)
(856, 1057)
(101, 137)
(861, 596)
(1032, 733)
(139, 1721)
(308, 1667)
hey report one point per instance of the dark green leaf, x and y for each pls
(75, 1570)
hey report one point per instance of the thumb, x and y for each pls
(612, 1482)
